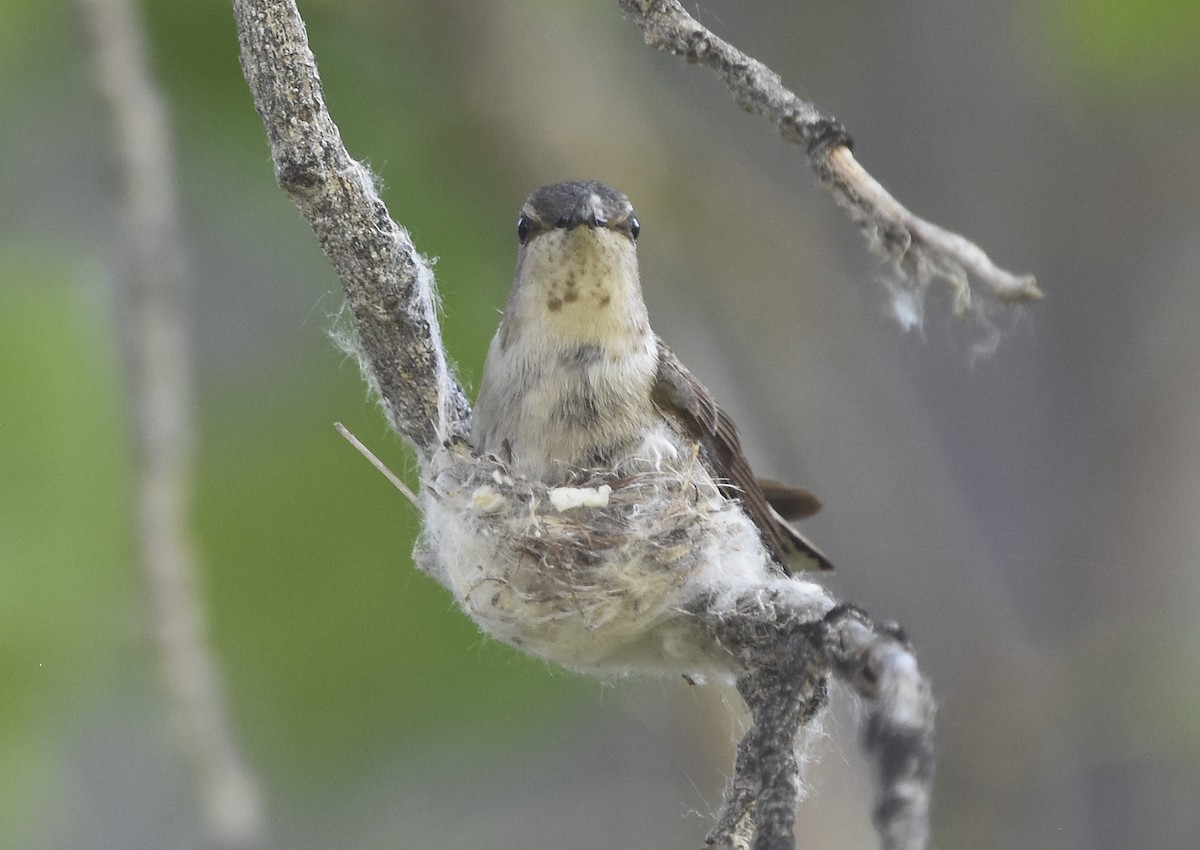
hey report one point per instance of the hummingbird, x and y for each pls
(576, 381)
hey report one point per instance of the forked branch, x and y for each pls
(786, 634)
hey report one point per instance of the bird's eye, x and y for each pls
(634, 228)
(524, 228)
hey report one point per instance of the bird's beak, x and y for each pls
(590, 212)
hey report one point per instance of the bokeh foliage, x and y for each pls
(1130, 50)
(336, 653)
(341, 661)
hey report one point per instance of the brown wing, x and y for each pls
(679, 395)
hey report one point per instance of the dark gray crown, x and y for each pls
(568, 205)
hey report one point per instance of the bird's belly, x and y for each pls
(571, 420)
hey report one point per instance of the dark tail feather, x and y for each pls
(799, 553)
(791, 503)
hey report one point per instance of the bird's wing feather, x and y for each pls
(685, 400)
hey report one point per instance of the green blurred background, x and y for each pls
(1032, 517)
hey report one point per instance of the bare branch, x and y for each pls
(389, 286)
(921, 250)
(151, 310)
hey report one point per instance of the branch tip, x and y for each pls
(922, 251)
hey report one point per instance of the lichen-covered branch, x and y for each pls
(152, 313)
(879, 664)
(389, 285)
(786, 654)
(921, 250)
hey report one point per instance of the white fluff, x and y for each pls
(566, 498)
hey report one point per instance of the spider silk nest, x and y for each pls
(606, 573)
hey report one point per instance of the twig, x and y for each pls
(378, 464)
(151, 308)
(388, 284)
(921, 250)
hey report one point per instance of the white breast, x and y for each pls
(568, 376)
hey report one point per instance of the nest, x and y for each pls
(602, 574)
